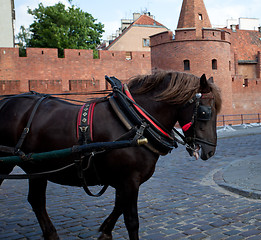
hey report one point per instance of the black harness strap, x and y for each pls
(17, 149)
(34, 175)
(81, 170)
(83, 125)
(85, 136)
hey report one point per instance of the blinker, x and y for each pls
(204, 113)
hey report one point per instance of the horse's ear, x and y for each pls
(211, 80)
(204, 86)
(203, 81)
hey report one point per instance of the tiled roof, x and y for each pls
(245, 43)
(147, 20)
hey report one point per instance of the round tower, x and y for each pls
(196, 48)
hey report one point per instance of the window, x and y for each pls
(245, 83)
(214, 64)
(223, 35)
(186, 65)
(146, 42)
(128, 55)
(200, 17)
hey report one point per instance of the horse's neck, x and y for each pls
(164, 113)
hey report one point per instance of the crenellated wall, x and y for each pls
(41, 70)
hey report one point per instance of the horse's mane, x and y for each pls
(176, 87)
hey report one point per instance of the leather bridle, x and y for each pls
(200, 113)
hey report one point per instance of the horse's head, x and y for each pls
(198, 119)
(193, 102)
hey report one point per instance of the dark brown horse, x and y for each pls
(169, 97)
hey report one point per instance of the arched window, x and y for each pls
(186, 65)
(214, 64)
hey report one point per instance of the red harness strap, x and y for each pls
(143, 114)
(85, 120)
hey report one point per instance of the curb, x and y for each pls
(248, 193)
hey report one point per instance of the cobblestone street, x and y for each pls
(180, 201)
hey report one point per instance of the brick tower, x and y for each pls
(196, 48)
(194, 15)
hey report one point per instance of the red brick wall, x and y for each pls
(9, 86)
(246, 99)
(43, 71)
(45, 86)
(161, 38)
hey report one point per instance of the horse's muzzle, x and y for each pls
(207, 151)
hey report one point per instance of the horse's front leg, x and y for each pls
(125, 202)
(130, 210)
(37, 199)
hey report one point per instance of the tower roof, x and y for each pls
(193, 15)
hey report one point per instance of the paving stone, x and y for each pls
(180, 201)
(250, 233)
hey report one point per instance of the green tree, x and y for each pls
(60, 27)
(23, 37)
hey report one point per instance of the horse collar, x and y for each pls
(126, 89)
(133, 116)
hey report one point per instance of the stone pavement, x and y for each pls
(241, 176)
(181, 201)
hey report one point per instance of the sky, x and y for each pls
(166, 12)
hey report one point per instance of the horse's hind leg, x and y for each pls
(5, 169)
(108, 225)
(37, 199)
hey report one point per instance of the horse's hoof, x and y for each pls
(105, 236)
(53, 236)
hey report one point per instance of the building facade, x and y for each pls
(136, 36)
(7, 17)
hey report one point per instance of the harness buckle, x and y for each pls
(141, 129)
(83, 128)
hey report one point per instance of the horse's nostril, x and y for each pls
(210, 154)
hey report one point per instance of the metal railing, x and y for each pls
(235, 119)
